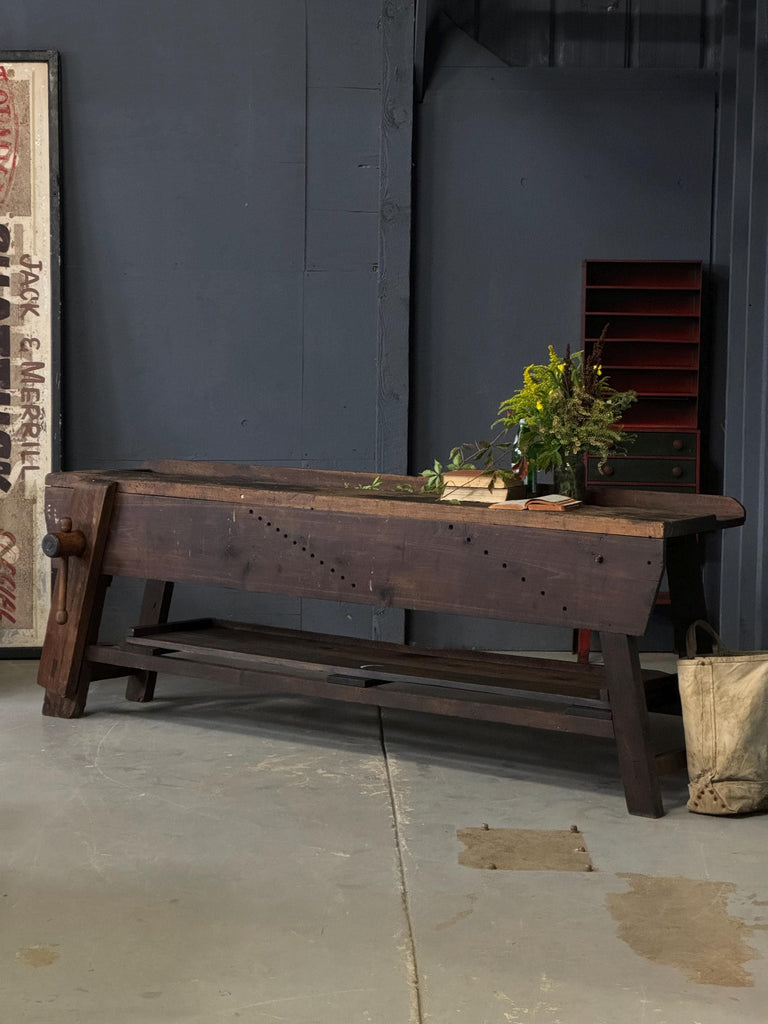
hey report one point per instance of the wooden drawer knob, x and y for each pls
(677, 444)
(677, 471)
(607, 471)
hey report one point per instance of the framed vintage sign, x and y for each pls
(30, 320)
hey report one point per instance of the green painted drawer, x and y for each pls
(663, 444)
(624, 470)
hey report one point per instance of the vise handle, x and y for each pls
(65, 544)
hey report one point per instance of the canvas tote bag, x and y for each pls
(725, 717)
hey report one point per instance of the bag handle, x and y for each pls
(691, 639)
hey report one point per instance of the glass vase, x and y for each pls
(571, 478)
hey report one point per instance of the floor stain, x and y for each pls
(518, 849)
(37, 956)
(683, 923)
(460, 914)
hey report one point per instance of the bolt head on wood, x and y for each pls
(64, 544)
(51, 546)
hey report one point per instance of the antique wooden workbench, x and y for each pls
(325, 534)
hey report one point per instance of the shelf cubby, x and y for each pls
(657, 274)
(642, 301)
(656, 355)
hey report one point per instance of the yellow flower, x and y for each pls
(539, 405)
(599, 370)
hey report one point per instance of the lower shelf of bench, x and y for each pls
(537, 692)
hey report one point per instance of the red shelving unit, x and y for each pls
(651, 313)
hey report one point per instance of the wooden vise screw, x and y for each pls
(66, 543)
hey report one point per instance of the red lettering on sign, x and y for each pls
(9, 143)
(7, 572)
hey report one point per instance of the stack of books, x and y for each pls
(475, 485)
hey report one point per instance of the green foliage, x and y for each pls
(566, 409)
(374, 485)
(465, 456)
(433, 479)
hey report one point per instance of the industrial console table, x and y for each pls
(329, 534)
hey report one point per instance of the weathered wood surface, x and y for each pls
(727, 511)
(89, 507)
(155, 606)
(270, 474)
(631, 725)
(338, 492)
(511, 709)
(268, 647)
(434, 563)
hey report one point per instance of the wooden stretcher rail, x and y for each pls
(363, 662)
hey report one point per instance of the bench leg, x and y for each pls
(154, 611)
(581, 645)
(686, 589)
(630, 725)
(63, 672)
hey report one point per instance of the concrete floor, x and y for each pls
(233, 858)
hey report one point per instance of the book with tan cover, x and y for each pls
(541, 503)
(477, 485)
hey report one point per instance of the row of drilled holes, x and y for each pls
(504, 565)
(296, 544)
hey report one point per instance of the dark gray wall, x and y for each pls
(221, 202)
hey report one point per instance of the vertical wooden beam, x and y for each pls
(62, 673)
(394, 236)
(155, 606)
(686, 587)
(426, 14)
(393, 352)
(421, 16)
(630, 725)
(668, 34)
(72, 705)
